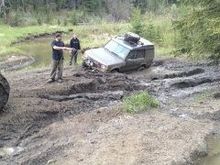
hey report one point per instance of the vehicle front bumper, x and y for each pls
(93, 65)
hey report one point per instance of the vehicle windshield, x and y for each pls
(118, 49)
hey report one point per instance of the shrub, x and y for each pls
(119, 10)
(137, 25)
(139, 102)
(58, 22)
(39, 21)
(152, 33)
(15, 19)
(77, 16)
(199, 29)
(65, 22)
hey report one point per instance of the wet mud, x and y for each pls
(35, 105)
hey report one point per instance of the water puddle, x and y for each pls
(40, 50)
(213, 157)
(8, 151)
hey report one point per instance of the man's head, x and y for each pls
(58, 37)
(74, 36)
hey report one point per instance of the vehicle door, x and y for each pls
(135, 59)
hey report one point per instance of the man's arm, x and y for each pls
(58, 47)
(61, 48)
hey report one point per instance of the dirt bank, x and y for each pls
(80, 121)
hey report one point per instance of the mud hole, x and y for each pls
(35, 108)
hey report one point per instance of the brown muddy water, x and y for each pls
(213, 157)
(40, 50)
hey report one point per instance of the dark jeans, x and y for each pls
(73, 57)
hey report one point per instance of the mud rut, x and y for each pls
(34, 105)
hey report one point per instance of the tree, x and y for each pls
(200, 28)
(137, 22)
(120, 9)
(91, 5)
(2, 5)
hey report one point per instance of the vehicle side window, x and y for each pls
(132, 55)
(136, 54)
(141, 54)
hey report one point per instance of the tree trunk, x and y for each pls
(2, 5)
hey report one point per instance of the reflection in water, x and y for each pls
(213, 157)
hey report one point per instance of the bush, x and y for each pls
(199, 29)
(15, 19)
(58, 22)
(137, 25)
(77, 16)
(139, 102)
(119, 10)
(152, 33)
(39, 21)
(65, 22)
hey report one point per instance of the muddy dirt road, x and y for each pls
(80, 120)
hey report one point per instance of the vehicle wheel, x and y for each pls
(142, 67)
(115, 71)
(4, 91)
(148, 65)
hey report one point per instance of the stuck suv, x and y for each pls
(122, 53)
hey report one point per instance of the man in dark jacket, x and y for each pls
(75, 45)
(57, 56)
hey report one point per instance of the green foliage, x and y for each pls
(147, 29)
(199, 29)
(15, 19)
(137, 22)
(73, 18)
(65, 22)
(58, 22)
(138, 102)
(155, 6)
(77, 16)
(92, 5)
(39, 21)
(152, 32)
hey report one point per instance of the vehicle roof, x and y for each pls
(142, 43)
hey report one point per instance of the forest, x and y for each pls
(192, 27)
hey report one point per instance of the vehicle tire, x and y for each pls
(84, 65)
(115, 70)
(142, 67)
(148, 65)
(4, 91)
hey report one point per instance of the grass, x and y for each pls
(139, 102)
(92, 35)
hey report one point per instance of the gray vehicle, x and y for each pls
(122, 53)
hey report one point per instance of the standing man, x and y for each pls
(75, 45)
(57, 56)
